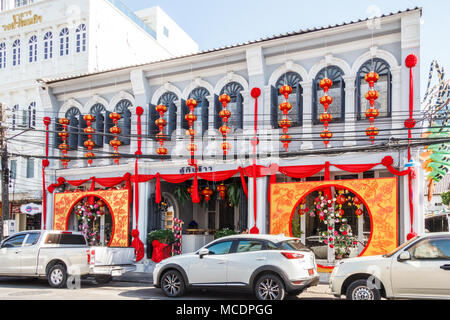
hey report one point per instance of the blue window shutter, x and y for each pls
(274, 108)
(184, 112)
(125, 125)
(172, 119)
(299, 105)
(315, 120)
(73, 136)
(153, 116)
(56, 138)
(99, 126)
(108, 125)
(240, 112)
(217, 109)
(82, 137)
(342, 100)
(205, 115)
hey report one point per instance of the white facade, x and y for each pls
(257, 64)
(54, 39)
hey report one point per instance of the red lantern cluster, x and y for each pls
(303, 209)
(64, 147)
(372, 113)
(225, 114)
(191, 118)
(89, 144)
(358, 203)
(285, 123)
(161, 123)
(325, 117)
(115, 143)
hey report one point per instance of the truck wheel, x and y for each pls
(362, 290)
(270, 287)
(57, 276)
(172, 284)
(103, 279)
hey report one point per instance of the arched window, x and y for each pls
(200, 94)
(2, 55)
(123, 108)
(169, 99)
(48, 45)
(98, 110)
(16, 52)
(64, 42)
(15, 111)
(337, 92)
(81, 34)
(32, 115)
(383, 86)
(236, 121)
(32, 43)
(294, 80)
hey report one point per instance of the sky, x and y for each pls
(216, 23)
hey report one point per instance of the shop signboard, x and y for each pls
(31, 209)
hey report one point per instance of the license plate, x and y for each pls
(311, 272)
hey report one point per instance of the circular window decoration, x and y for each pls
(92, 217)
(335, 220)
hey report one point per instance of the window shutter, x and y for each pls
(153, 116)
(240, 112)
(184, 112)
(30, 168)
(314, 103)
(99, 126)
(274, 108)
(56, 138)
(205, 115)
(217, 109)
(108, 125)
(125, 125)
(172, 120)
(82, 137)
(299, 105)
(25, 118)
(73, 136)
(342, 100)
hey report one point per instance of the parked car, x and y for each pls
(418, 269)
(55, 255)
(269, 266)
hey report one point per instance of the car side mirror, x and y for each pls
(203, 252)
(404, 256)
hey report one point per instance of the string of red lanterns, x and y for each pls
(372, 113)
(115, 143)
(161, 123)
(285, 123)
(191, 118)
(64, 147)
(326, 117)
(89, 144)
(225, 114)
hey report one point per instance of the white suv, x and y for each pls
(270, 266)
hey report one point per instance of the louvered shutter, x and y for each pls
(299, 105)
(125, 125)
(184, 112)
(82, 137)
(239, 112)
(153, 116)
(217, 109)
(274, 108)
(56, 138)
(172, 119)
(99, 126)
(205, 114)
(108, 125)
(314, 103)
(73, 136)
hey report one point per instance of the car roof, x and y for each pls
(436, 234)
(268, 237)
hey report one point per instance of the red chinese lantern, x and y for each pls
(207, 193)
(285, 123)
(341, 199)
(357, 201)
(161, 123)
(64, 147)
(359, 212)
(326, 100)
(162, 151)
(372, 113)
(222, 189)
(89, 144)
(225, 114)
(115, 143)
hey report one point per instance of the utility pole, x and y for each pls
(5, 169)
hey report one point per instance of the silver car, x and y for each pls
(419, 269)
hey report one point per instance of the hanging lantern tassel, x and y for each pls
(325, 117)
(285, 123)
(115, 143)
(191, 118)
(372, 113)
(64, 147)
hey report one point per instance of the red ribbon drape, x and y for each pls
(45, 163)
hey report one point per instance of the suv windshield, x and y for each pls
(388, 255)
(293, 244)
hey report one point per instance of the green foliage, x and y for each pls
(163, 236)
(296, 230)
(224, 233)
(234, 194)
(446, 198)
(181, 194)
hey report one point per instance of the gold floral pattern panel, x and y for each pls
(116, 200)
(379, 195)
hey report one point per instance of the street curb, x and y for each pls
(137, 277)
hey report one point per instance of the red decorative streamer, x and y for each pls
(139, 112)
(256, 92)
(45, 164)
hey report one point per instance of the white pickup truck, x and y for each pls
(58, 255)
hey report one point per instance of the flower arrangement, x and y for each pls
(88, 214)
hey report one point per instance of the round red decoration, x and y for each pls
(139, 111)
(359, 212)
(326, 84)
(207, 193)
(222, 189)
(410, 123)
(256, 92)
(341, 199)
(45, 163)
(411, 61)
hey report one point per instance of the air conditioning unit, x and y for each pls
(9, 228)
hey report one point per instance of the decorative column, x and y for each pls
(350, 112)
(307, 115)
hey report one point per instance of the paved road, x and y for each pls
(34, 289)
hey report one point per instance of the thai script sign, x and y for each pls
(21, 20)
